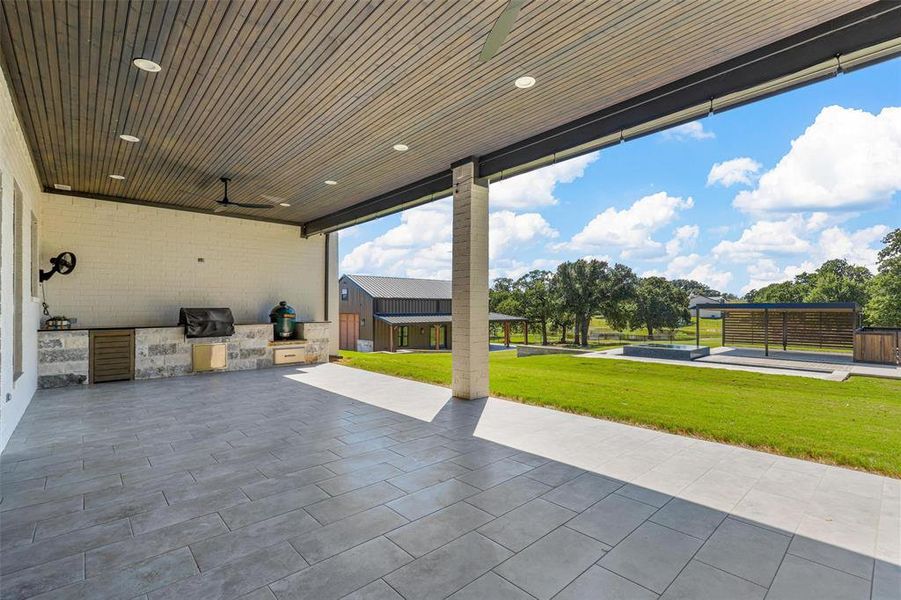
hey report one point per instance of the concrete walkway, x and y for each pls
(329, 482)
(808, 361)
(617, 354)
(833, 367)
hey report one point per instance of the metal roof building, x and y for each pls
(387, 313)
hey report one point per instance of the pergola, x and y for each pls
(340, 112)
(828, 325)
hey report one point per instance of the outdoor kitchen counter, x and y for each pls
(111, 327)
(160, 351)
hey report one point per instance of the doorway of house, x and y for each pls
(349, 331)
(442, 336)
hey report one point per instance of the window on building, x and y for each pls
(403, 336)
(344, 293)
(35, 259)
(18, 280)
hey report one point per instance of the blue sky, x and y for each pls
(737, 200)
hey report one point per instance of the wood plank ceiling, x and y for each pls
(282, 96)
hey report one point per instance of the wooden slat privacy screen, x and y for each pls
(818, 329)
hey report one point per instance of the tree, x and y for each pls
(784, 291)
(578, 289)
(839, 281)
(504, 297)
(589, 287)
(535, 289)
(834, 281)
(617, 289)
(884, 305)
(658, 304)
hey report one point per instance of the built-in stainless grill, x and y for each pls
(207, 322)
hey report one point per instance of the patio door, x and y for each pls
(349, 331)
(442, 336)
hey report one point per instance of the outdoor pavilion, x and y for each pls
(823, 325)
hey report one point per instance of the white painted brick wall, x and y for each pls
(16, 166)
(138, 265)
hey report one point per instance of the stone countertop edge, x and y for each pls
(108, 328)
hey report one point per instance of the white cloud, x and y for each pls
(730, 172)
(536, 188)
(857, 247)
(630, 229)
(847, 159)
(683, 236)
(765, 272)
(506, 229)
(854, 246)
(696, 267)
(815, 237)
(421, 245)
(766, 238)
(792, 271)
(514, 269)
(693, 130)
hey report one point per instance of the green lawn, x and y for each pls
(855, 423)
(711, 335)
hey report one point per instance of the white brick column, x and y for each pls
(469, 335)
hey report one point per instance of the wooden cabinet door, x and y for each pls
(112, 355)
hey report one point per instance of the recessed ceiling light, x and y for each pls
(331, 182)
(283, 204)
(117, 177)
(129, 138)
(401, 147)
(524, 82)
(147, 65)
(63, 187)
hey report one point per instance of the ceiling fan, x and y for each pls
(501, 30)
(225, 202)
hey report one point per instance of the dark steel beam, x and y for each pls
(123, 200)
(863, 28)
(420, 192)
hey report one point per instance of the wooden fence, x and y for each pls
(878, 346)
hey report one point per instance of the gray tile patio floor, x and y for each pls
(328, 482)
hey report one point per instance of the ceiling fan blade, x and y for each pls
(243, 205)
(220, 208)
(501, 30)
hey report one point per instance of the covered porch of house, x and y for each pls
(434, 332)
(341, 483)
(324, 482)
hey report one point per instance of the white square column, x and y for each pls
(469, 336)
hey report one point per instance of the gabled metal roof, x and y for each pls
(378, 286)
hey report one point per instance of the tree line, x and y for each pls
(568, 298)
(838, 280)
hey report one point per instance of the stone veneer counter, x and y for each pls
(64, 355)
